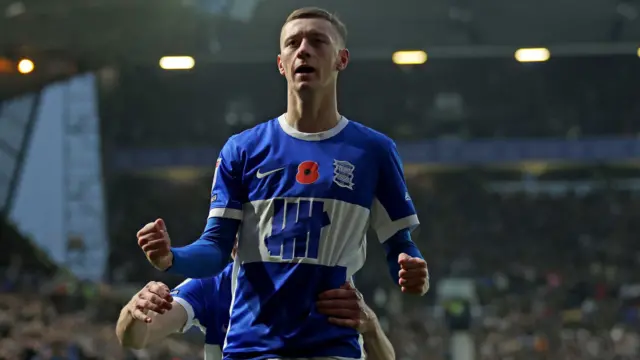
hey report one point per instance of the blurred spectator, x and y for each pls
(554, 259)
(47, 316)
(555, 269)
(460, 98)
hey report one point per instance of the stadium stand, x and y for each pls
(47, 314)
(553, 267)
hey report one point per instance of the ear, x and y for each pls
(280, 65)
(343, 59)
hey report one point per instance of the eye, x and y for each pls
(319, 41)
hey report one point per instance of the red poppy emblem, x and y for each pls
(307, 172)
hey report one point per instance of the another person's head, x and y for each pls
(312, 49)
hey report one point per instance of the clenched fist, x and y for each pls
(413, 274)
(154, 240)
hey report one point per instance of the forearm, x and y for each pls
(131, 333)
(399, 243)
(200, 259)
(208, 255)
(377, 345)
(137, 334)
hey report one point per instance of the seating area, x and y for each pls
(554, 269)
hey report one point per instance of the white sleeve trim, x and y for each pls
(226, 213)
(190, 315)
(384, 226)
(385, 232)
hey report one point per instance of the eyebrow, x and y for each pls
(313, 33)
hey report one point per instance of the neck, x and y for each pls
(313, 112)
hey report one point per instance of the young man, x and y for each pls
(302, 189)
(155, 312)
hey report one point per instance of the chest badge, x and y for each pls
(343, 173)
(307, 172)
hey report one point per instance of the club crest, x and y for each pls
(343, 173)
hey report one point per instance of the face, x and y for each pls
(311, 54)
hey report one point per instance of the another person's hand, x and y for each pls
(413, 275)
(345, 307)
(154, 240)
(155, 296)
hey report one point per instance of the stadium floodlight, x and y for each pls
(532, 55)
(177, 62)
(409, 57)
(25, 66)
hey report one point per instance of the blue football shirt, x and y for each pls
(207, 304)
(305, 202)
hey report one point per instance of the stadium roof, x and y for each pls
(64, 37)
(88, 34)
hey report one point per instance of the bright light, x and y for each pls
(177, 62)
(638, 52)
(415, 57)
(25, 66)
(532, 55)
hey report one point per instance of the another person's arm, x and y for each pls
(376, 344)
(393, 217)
(346, 307)
(149, 317)
(208, 255)
(154, 313)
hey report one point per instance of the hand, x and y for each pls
(345, 307)
(155, 296)
(154, 240)
(413, 274)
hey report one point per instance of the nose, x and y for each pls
(304, 50)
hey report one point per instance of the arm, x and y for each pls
(399, 243)
(376, 344)
(208, 255)
(149, 317)
(393, 217)
(346, 307)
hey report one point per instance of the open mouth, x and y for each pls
(305, 69)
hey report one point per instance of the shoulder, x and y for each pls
(373, 139)
(251, 136)
(240, 146)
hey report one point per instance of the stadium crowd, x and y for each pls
(47, 314)
(470, 98)
(554, 267)
(554, 273)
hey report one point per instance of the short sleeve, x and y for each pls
(392, 209)
(190, 294)
(227, 194)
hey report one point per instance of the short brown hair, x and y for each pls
(318, 13)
